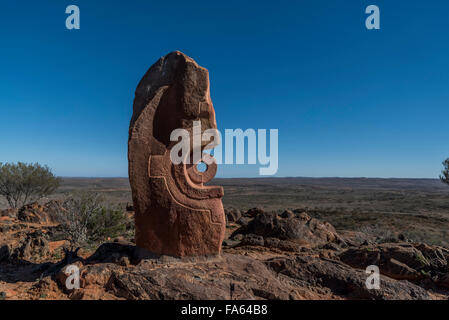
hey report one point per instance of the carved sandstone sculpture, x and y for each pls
(175, 213)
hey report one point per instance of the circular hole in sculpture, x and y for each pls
(201, 167)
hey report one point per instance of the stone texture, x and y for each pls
(299, 228)
(37, 213)
(414, 262)
(232, 215)
(236, 276)
(175, 213)
(344, 281)
(272, 271)
(8, 213)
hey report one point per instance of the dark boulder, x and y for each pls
(297, 227)
(48, 213)
(344, 281)
(401, 261)
(252, 213)
(232, 215)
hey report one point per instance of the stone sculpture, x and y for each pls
(176, 214)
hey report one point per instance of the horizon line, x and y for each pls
(267, 177)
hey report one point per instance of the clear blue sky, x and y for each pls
(347, 101)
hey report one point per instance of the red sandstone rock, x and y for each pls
(175, 213)
(48, 213)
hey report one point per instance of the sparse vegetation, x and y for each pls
(365, 212)
(106, 223)
(422, 260)
(381, 235)
(445, 173)
(23, 183)
(418, 209)
(88, 219)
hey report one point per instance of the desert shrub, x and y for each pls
(445, 173)
(380, 233)
(23, 183)
(107, 223)
(437, 238)
(79, 208)
(87, 218)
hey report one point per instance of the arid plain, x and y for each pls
(286, 238)
(417, 208)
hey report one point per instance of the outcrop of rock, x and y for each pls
(419, 263)
(12, 213)
(30, 242)
(232, 215)
(29, 270)
(37, 213)
(229, 276)
(298, 228)
(175, 213)
(343, 280)
(32, 245)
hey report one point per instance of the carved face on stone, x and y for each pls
(181, 88)
(176, 213)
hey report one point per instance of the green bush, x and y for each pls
(23, 183)
(445, 173)
(106, 223)
(87, 218)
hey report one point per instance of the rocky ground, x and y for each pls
(265, 256)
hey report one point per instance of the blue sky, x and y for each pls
(347, 101)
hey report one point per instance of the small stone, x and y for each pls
(232, 215)
(252, 213)
(238, 237)
(243, 221)
(287, 214)
(124, 261)
(253, 240)
(230, 243)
